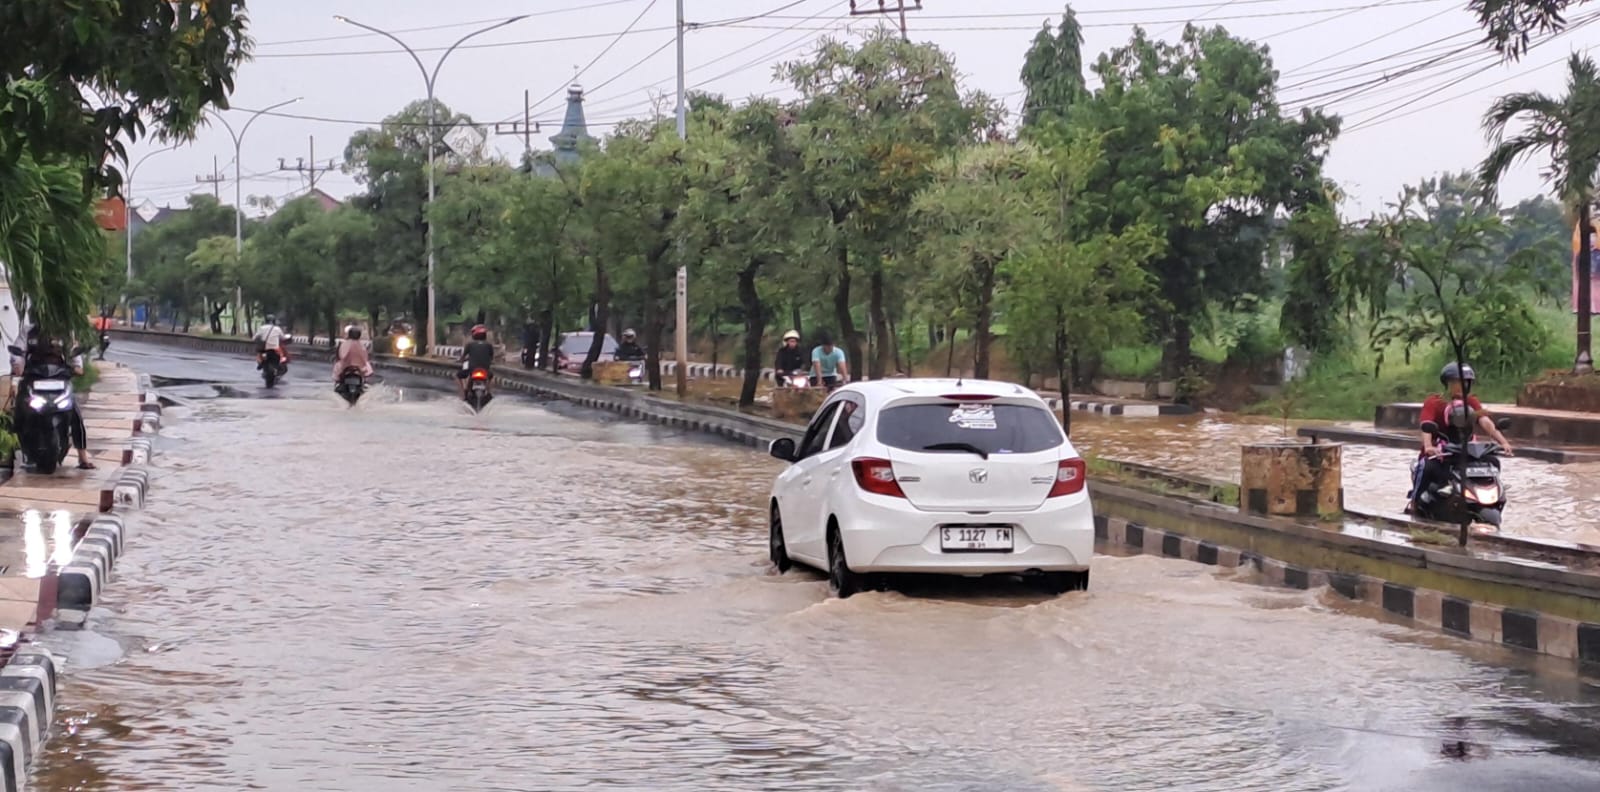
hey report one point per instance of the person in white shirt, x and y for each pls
(270, 336)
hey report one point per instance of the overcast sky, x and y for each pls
(1424, 119)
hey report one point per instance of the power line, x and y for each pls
(1377, 121)
(1139, 23)
(1429, 18)
(488, 45)
(595, 59)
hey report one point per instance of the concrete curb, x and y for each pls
(27, 707)
(1420, 607)
(81, 581)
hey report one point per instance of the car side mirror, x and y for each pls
(1430, 427)
(1502, 424)
(782, 448)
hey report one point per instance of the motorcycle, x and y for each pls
(794, 380)
(351, 385)
(105, 343)
(636, 375)
(478, 395)
(1473, 492)
(402, 345)
(273, 367)
(45, 406)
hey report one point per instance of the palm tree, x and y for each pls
(1567, 131)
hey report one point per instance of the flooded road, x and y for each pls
(1546, 500)
(406, 597)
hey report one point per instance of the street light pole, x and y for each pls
(429, 79)
(127, 222)
(682, 336)
(238, 196)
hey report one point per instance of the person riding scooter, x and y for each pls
(270, 336)
(352, 355)
(1436, 410)
(629, 350)
(790, 361)
(477, 355)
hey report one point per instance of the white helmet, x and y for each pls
(791, 334)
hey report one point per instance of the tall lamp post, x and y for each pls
(430, 79)
(238, 194)
(127, 221)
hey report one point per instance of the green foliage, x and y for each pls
(1052, 72)
(53, 250)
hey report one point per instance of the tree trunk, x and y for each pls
(799, 327)
(849, 339)
(755, 326)
(1178, 354)
(716, 338)
(1585, 361)
(419, 314)
(655, 319)
(250, 319)
(933, 335)
(547, 320)
(983, 323)
(881, 335)
(601, 308)
(894, 340)
(950, 359)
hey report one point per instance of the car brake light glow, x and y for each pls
(968, 397)
(480, 374)
(1071, 475)
(876, 476)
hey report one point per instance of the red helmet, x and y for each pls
(479, 331)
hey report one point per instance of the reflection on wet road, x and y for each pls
(1546, 500)
(406, 597)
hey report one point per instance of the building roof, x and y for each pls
(164, 214)
(329, 203)
(574, 128)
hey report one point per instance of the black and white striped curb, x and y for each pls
(1128, 410)
(27, 705)
(130, 487)
(1512, 627)
(81, 581)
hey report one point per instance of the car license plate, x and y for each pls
(956, 539)
(1480, 471)
(49, 385)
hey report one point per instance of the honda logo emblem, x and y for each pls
(977, 475)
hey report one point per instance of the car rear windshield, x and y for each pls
(579, 345)
(992, 428)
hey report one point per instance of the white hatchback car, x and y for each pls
(933, 476)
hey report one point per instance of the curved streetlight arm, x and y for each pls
(224, 119)
(135, 169)
(435, 76)
(264, 111)
(391, 37)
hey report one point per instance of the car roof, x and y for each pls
(898, 388)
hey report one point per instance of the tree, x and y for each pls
(163, 272)
(53, 251)
(872, 122)
(1510, 25)
(1196, 145)
(1567, 132)
(1052, 72)
(1461, 295)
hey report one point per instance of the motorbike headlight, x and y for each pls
(64, 401)
(36, 402)
(402, 343)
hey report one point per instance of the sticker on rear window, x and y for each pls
(973, 416)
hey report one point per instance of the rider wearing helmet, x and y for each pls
(352, 355)
(1440, 408)
(629, 349)
(270, 336)
(477, 354)
(790, 359)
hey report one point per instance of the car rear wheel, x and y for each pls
(844, 582)
(778, 549)
(1063, 582)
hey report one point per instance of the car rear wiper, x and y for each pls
(957, 447)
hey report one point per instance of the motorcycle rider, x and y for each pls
(352, 354)
(790, 359)
(477, 354)
(270, 336)
(629, 349)
(1434, 471)
(828, 364)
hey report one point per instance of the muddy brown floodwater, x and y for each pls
(403, 597)
(1546, 500)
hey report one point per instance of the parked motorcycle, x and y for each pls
(478, 395)
(273, 367)
(45, 405)
(1472, 492)
(351, 385)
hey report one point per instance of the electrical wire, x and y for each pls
(594, 60)
(487, 45)
(1429, 18)
(446, 26)
(1447, 100)
(1141, 23)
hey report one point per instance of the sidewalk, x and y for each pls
(42, 518)
(1553, 428)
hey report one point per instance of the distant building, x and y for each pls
(574, 133)
(328, 202)
(164, 214)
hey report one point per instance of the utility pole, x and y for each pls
(524, 129)
(300, 165)
(215, 180)
(884, 9)
(682, 336)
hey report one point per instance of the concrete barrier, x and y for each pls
(27, 706)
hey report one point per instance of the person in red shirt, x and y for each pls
(1436, 409)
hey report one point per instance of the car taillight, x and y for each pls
(876, 476)
(1071, 474)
